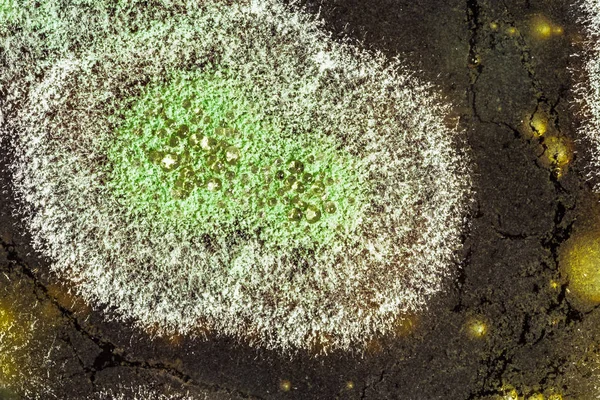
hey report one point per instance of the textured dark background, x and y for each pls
(496, 78)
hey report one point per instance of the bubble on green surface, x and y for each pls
(313, 214)
(329, 207)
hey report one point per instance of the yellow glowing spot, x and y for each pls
(477, 328)
(579, 260)
(512, 31)
(558, 30)
(541, 27)
(349, 385)
(554, 284)
(511, 395)
(494, 26)
(559, 152)
(539, 124)
(285, 385)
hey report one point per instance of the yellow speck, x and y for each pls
(554, 284)
(285, 385)
(477, 328)
(494, 26)
(541, 27)
(511, 30)
(558, 30)
(349, 385)
(579, 260)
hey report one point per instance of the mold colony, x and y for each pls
(191, 152)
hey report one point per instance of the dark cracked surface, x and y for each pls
(499, 76)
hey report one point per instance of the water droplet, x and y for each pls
(301, 204)
(217, 166)
(277, 162)
(330, 207)
(317, 188)
(214, 184)
(307, 178)
(295, 214)
(183, 183)
(194, 140)
(312, 214)
(272, 201)
(229, 132)
(329, 181)
(169, 162)
(187, 103)
(186, 172)
(254, 169)
(310, 159)
(207, 119)
(162, 133)
(232, 155)
(279, 175)
(229, 115)
(351, 200)
(174, 141)
(211, 159)
(281, 191)
(289, 181)
(298, 187)
(295, 167)
(155, 156)
(209, 144)
(230, 175)
(183, 131)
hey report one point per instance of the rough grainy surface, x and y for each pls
(539, 339)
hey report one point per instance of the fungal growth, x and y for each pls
(192, 154)
(250, 177)
(589, 90)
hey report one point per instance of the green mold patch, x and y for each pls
(197, 154)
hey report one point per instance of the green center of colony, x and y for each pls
(192, 151)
